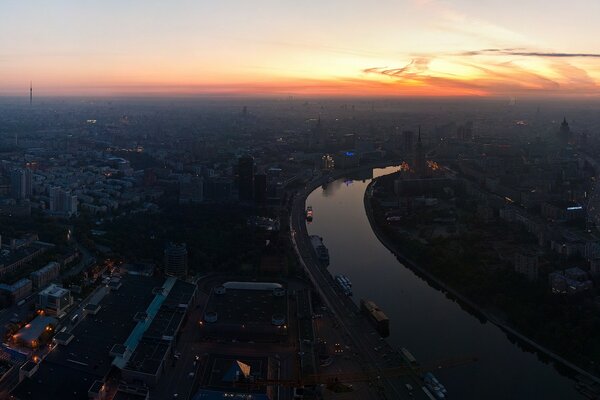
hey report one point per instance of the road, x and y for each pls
(377, 355)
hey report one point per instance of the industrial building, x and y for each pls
(114, 335)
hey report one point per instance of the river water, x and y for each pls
(422, 319)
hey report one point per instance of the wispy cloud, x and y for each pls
(525, 53)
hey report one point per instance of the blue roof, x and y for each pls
(137, 333)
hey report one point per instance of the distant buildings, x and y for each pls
(176, 259)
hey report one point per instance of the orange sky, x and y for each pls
(393, 47)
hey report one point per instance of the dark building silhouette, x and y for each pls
(420, 164)
(21, 183)
(246, 178)
(564, 134)
(260, 189)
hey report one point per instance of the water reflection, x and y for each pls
(432, 325)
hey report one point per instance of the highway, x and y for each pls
(376, 354)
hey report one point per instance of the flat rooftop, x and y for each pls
(69, 371)
(155, 342)
(246, 313)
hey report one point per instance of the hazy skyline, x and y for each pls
(407, 47)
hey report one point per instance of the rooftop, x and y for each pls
(33, 330)
(69, 371)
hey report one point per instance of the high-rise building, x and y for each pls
(21, 183)
(62, 201)
(176, 263)
(246, 178)
(420, 164)
(565, 132)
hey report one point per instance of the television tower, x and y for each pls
(30, 93)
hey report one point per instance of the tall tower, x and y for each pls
(30, 92)
(420, 165)
(176, 259)
(565, 132)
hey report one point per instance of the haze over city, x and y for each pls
(299, 200)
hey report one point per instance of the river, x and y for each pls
(422, 318)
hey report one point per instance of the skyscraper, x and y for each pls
(246, 178)
(176, 262)
(420, 165)
(565, 132)
(21, 183)
(62, 201)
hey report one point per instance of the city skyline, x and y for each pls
(394, 48)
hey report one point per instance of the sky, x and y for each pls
(513, 48)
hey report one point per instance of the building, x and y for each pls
(21, 183)
(246, 178)
(564, 134)
(16, 291)
(62, 202)
(420, 164)
(570, 281)
(36, 332)
(176, 259)
(54, 300)
(527, 264)
(45, 275)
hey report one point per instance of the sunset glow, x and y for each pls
(392, 48)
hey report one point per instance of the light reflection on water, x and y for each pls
(422, 318)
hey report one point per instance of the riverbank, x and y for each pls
(457, 296)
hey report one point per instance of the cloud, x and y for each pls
(525, 53)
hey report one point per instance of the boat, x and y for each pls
(309, 213)
(377, 316)
(320, 249)
(342, 282)
(434, 386)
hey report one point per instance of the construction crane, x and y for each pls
(331, 379)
